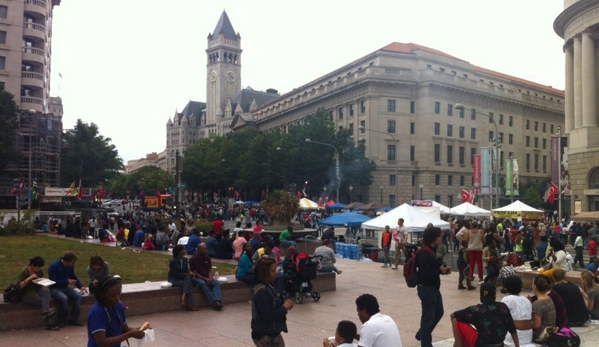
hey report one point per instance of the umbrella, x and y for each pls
(251, 202)
(306, 203)
(345, 219)
(384, 209)
(239, 202)
(372, 206)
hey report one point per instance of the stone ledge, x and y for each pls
(146, 298)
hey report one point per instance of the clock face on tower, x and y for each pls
(213, 75)
(231, 76)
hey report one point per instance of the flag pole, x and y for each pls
(559, 176)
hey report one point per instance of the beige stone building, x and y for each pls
(401, 101)
(578, 25)
(25, 56)
(152, 159)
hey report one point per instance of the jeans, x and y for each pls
(578, 258)
(386, 259)
(212, 293)
(247, 278)
(432, 312)
(62, 295)
(329, 268)
(289, 243)
(187, 286)
(42, 297)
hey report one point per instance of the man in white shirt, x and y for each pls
(378, 330)
(399, 236)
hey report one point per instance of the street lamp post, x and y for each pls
(350, 191)
(381, 186)
(337, 173)
(421, 186)
(495, 159)
(396, 159)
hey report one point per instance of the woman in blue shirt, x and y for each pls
(245, 266)
(107, 322)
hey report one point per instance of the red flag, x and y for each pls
(320, 200)
(236, 195)
(102, 192)
(262, 195)
(550, 193)
(80, 192)
(466, 196)
(299, 194)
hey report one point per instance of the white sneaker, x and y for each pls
(481, 282)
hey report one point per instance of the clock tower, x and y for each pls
(223, 77)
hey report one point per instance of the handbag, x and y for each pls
(12, 294)
(563, 337)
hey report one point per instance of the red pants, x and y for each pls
(468, 333)
(476, 257)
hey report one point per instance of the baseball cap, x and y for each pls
(487, 293)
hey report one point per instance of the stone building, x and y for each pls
(401, 101)
(25, 62)
(578, 25)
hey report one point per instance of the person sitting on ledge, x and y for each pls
(471, 325)
(35, 294)
(328, 257)
(245, 272)
(201, 267)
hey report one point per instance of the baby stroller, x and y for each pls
(299, 282)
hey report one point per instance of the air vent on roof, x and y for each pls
(272, 91)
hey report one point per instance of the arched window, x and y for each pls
(594, 179)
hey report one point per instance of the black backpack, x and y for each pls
(12, 294)
(410, 269)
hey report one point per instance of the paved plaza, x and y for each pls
(308, 323)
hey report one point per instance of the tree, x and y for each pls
(9, 124)
(88, 156)
(148, 179)
(532, 197)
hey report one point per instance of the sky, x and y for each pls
(128, 65)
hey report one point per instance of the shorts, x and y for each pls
(468, 333)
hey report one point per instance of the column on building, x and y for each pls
(577, 82)
(589, 85)
(569, 111)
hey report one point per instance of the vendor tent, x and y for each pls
(518, 210)
(414, 220)
(305, 203)
(442, 208)
(354, 205)
(350, 219)
(586, 217)
(469, 210)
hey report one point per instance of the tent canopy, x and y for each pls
(345, 219)
(586, 217)
(354, 205)
(517, 206)
(305, 203)
(469, 210)
(414, 220)
(335, 205)
(371, 206)
(442, 208)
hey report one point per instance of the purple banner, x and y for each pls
(554, 159)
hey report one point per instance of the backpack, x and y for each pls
(564, 337)
(12, 294)
(410, 269)
(297, 260)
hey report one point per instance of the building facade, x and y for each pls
(224, 96)
(152, 159)
(25, 56)
(401, 101)
(578, 25)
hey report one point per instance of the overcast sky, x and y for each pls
(127, 65)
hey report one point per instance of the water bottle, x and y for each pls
(216, 275)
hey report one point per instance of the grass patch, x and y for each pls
(133, 267)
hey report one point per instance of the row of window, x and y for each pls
(391, 108)
(500, 120)
(536, 159)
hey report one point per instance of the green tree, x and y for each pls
(148, 178)
(88, 156)
(532, 197)
(9, 124)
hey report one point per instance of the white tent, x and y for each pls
(414, 220)
(432, 211)
(517, 206)
(469, 210)
(305, 203)
(444, 209)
